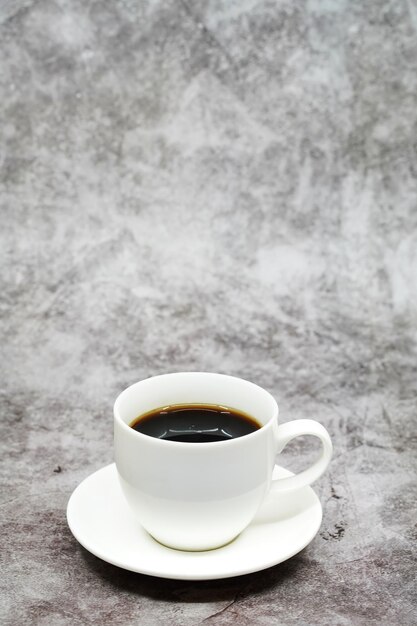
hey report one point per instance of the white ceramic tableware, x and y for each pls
(101, 520)
(200, 496)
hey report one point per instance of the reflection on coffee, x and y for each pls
(195, 423)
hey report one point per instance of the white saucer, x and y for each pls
(101, 521)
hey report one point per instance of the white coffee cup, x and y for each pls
(200, 496)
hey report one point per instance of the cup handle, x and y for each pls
(288, 431)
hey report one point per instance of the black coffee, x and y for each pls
(195, 423)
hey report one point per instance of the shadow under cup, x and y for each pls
(195, 496)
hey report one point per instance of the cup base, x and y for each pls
(199, 549)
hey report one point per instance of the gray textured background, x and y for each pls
(219, 186)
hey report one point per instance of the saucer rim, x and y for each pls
(152, 572)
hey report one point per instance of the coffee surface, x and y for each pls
(195, 423)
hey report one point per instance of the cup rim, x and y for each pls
(202, 445)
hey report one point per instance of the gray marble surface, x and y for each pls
(213, 186)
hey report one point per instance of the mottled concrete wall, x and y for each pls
(217, 186)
